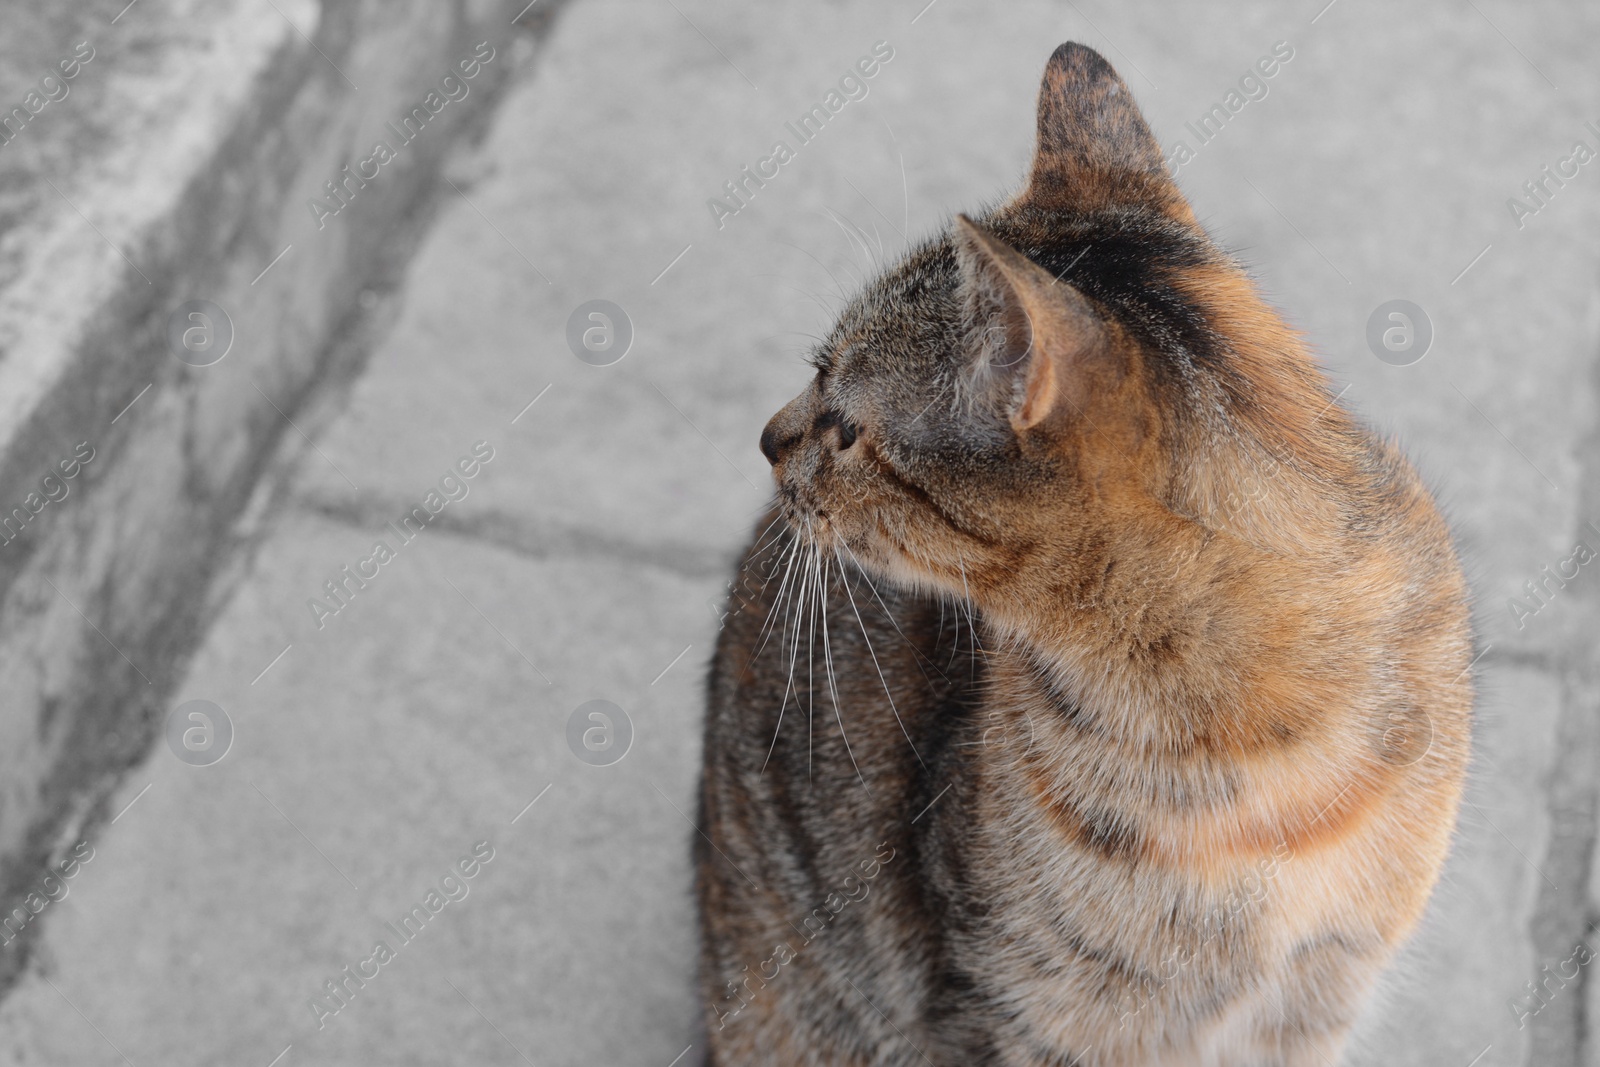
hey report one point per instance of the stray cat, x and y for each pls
(1098, 692)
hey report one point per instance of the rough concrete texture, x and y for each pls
(174, 162)
(429, 712)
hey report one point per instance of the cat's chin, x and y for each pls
(870, 553)
(898, 571)
(886, 563)
(821, 533)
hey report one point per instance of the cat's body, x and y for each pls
(1098, 694)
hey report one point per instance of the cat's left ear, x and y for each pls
(1035, 337)
(1094, 148)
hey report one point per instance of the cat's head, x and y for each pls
(1036, 384)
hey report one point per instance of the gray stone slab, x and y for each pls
(364, 765)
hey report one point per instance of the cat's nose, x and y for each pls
(779, 436)
(769, 444)
(785, 429)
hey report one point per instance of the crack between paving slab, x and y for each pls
(1566, 917)
(531, 540)
(1591, 926)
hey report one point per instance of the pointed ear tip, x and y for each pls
(1075, 58)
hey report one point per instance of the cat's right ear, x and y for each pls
(1094, 148)
(1033, 336)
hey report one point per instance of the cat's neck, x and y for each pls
(1168, 614)
(1192, 653)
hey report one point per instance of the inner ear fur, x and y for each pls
(1033, 333)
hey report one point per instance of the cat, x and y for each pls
(1097, 691)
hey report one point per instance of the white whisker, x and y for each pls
(919, 656)
(844, 295)
(762, 540)
(792, 555)
(765, 633)
(849, 237)
(845, 580)
(811, 644)
(795, 609)
(827, 662)
(972, 628)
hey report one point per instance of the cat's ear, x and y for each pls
(1094, 147)
(1032, 334)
